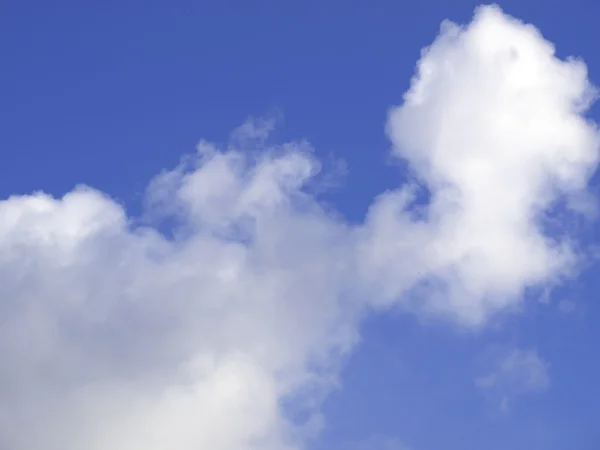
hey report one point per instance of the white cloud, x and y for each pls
(515, 373)
(113, 336)
(491, 126)
(117, 338)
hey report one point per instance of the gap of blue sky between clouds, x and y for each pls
(117, 338)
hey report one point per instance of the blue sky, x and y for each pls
(112, 95)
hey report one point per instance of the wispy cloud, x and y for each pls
(379, 442)
(514, 373)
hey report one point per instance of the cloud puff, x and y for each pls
(118, 336)
(515, 373)
(492, 129)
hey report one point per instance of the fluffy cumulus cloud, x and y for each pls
(116, 336)
(119, 338)
(492, 128)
